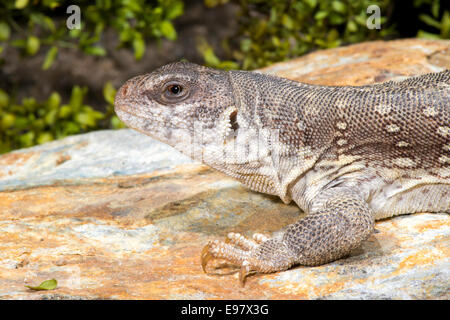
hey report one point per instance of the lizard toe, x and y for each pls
(221, 250)
(260, 254)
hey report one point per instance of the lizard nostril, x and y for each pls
(124, 90)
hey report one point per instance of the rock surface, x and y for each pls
(116, 215)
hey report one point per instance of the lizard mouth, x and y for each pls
(151, 126)
(124, 114)
(156, 129)
(119, 108)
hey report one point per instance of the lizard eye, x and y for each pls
(175, 89)
(174, 92)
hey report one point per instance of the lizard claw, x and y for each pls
(211, 251)
(239, 251)
(222, 250)
(206, 256)
(244, 272)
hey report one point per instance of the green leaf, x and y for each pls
(427, 35)
(85, 119)
(320, 15)
(210, 57)
(8, 120)
(70, 128)
(287, 22)
(246, 45)
(32, 46)
(333, 35)
(276, 41)
(65, 111)
(138, 47)
(19, 43)
(125, 35)
(336, 19)
(97, 114)
(351, 26)
(95, 51)
(116, 123)
(50, 57)
(50, 117)
(311, 3)
(76, 97)
(228, 65)
(435, 8)
(22, 123)
(29, 104)
(109, 92)
(168, 30)
(430, 21)
(91, 112)
(4, 98)
(445, 31)
(20, 4)
(51, 3)
(175, 10)
(27, 140)
(133, 5)
(54, 100)
(5, 31)
(49, 24)
(339, 6)
(361, 19)
(38, 124)
(43, 138)
(46, 285)
(75, 33)
(273, 15)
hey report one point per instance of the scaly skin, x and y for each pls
(346, 155)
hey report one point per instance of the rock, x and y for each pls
(367, 62)
(117, 215)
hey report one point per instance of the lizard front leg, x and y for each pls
(339, 223)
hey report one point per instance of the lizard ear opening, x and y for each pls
(233, 121)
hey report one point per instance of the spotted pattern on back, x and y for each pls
(393, 121)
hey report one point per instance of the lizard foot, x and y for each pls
(260, 254)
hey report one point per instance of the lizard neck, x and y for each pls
(275, 108)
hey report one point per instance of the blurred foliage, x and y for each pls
(43, 22)
(272, 30)
(30, 122)
(431, 18)
(268, 31)
(275, 30)
(32, 26)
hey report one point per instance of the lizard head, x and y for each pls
(184, 105)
